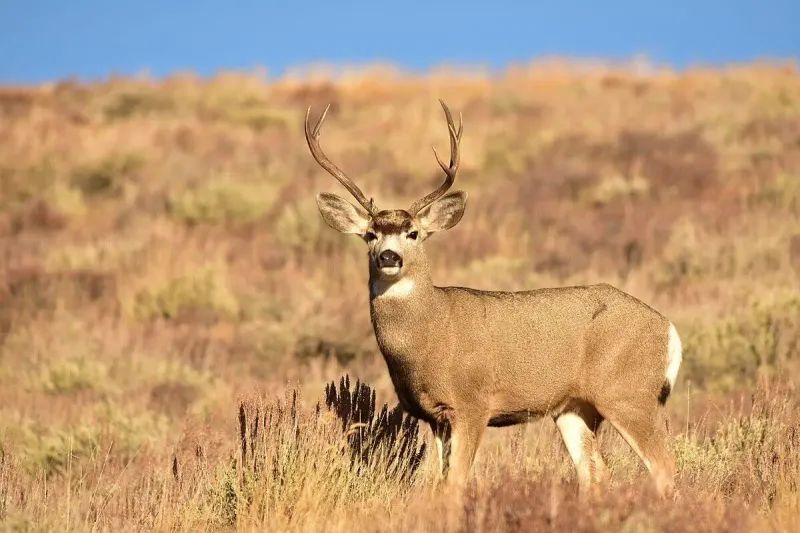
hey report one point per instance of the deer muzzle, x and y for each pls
(389, 261)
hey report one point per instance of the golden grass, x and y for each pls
(161, 257)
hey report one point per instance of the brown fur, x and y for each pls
(463, 359)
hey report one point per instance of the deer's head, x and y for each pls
(394, 236)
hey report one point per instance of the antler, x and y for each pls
(312, 137)
(450, 171)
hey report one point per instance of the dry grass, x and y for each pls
(161, 258)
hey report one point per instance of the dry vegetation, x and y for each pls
(162, 260)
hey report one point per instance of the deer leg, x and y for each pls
(441, 433)
(578, 428)
(464, 443)
(647, 436)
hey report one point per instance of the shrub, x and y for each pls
(72, 375)
(617, 186)
(730, 352)
(390, 439)
(222, 201)
(294, 459)
(750, 456)
(129, 103)
(105, 176)
(202, 289)
(300, 227)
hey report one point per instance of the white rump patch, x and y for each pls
(674, 355)
(393, 289)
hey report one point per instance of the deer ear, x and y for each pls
(341, 215)
(444, 213)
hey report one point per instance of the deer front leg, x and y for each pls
(441, 432)
(465, 437)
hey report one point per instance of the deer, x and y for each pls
(462, 359)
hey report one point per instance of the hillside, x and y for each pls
(162, 257)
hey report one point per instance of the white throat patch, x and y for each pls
(401, 288)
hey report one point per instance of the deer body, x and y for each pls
(463, 359)
(552, 346)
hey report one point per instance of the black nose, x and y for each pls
(388, 258)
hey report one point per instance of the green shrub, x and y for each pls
(64, 376)
(204, 288)
(616, 186)
(106, 176)
(129, 103)
(222, 201)
(782, 192)
(55, 450)
(749, 455)
(723, 354)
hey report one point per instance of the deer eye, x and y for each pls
(370, 236)
(412, 235)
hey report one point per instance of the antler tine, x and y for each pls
(449, 170)
(312, 137)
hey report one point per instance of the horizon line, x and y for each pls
(638, 64)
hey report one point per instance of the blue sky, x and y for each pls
(43, 40)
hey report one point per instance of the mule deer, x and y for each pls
(463, 359)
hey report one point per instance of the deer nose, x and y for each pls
(389, 258)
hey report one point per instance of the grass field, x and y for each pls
(172, 305)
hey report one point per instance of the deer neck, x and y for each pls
(405, 313)
(406, 291)
(413, 290)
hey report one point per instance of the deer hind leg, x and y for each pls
(647, 436)
(578, 427)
